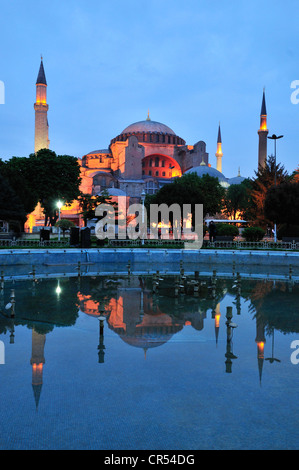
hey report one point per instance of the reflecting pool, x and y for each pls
(159, 362)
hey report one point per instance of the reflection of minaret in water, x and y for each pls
(101, 347)
(229, 347)
(260, 341)
(217, 322)
(238, 294)
(37, 361)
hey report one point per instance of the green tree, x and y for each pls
(237, 199)
(17, 173)
(282, 204)
(54, 177)
(191, 189)
(11, 208)
(89, 203)
(263, 181)
(64, 225)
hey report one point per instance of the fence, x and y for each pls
(236, 245)
(33, 244)
(263, 245)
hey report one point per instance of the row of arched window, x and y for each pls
(152, 138)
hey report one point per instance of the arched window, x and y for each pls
(157, 162)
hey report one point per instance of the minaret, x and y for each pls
(260, 341)
(37, 361)
(41, 112)
(263, 134)
(219, 153)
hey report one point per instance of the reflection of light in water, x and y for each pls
(58, 289)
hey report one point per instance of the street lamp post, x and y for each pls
(275, 138)
(59, 205)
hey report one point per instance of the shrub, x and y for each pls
(253, 234)
(64, 225)
(226, 230)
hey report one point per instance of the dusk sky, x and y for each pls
(192, 63)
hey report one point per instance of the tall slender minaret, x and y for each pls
(41, 112)
(37, 361)
(219, 153)
(263, 134)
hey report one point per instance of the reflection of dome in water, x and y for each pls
(146, 341)
(148, 337)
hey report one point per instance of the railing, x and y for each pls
(34, 244)
(235, 245)
(263, 245)
(146, 244)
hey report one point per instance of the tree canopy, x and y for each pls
(11, 208)
(191, 189)
(237, 199)
(282, 203)
(264, 179)
(54, 177)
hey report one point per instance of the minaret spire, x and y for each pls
(37, 361)
(219, 153)
(41, 108)
(263, 134)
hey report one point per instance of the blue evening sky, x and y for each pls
(192, 63)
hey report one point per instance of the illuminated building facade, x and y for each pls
(144, 157)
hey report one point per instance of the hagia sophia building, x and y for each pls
(144, 157)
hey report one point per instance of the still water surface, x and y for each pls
(130, 363)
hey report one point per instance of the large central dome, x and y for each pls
(148, 126)
(151, 132)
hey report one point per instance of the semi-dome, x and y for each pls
(208, 170)
(113, 192)
(237, 179)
